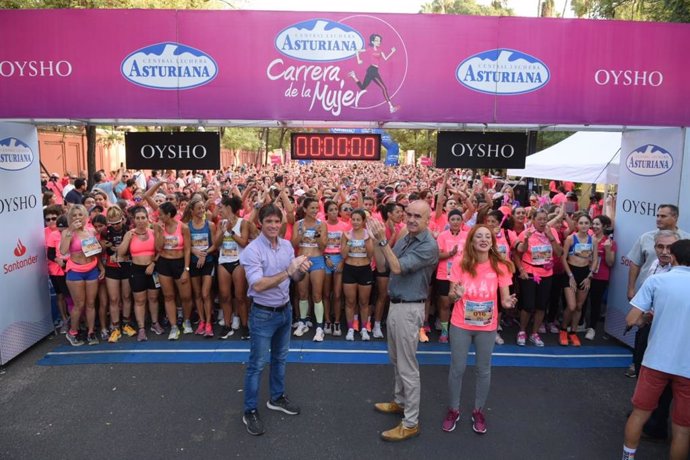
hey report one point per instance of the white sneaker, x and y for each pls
(220, 320)
(590, 334)
(187, 327)
(350, 335)
(328, 330)
(174, 333)
(235, 322)
(309, 323)
(318, 337)
(365, 335)
(377, 332)
(336, 330)
(499, 340)
(301, 329)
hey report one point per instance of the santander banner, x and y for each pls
(25, 316)
(251, 65)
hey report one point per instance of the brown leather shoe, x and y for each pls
(389, 408)
(400, 433)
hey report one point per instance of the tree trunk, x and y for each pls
(266, 133)
(90, 154)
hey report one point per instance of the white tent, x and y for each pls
(587, 156)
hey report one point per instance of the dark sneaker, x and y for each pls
(91, 339)
(253, 422)
(282, 404)
(225, 333)
(74, 340)
(478, 421)
(244, 335)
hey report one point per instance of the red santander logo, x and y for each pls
(20, 250)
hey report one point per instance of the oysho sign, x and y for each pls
(173, 150)
(481, 150)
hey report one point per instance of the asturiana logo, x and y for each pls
(15, 154)
(169, 66)
(503, 72)
(319, 40)
(649, 160)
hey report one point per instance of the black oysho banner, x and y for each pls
(481, 150)
(185, 150)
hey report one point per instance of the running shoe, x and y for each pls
(91, 339)
(542, 329)
(64, 327)
(536, 340)
(141, 335)
(105, 335)
(553, 328)
(574, 340)
(336, 330)
(284, 405)
(451, 420)
(129, 330)
(443, 338)
(478, 422)
(157, 329)
(208, 332)
(309, 323)
(244, 334)
(220, 319)
(563, 338)
(226, 333)
(187, 327)
(328, 330)
(630, 371)
(174, 333)
(115, 335)
(350, 335)
(201, 330)
(235, 322)
(422, 335)
(591, 333)
(301, 329)
(365, 335)
(521, 338)
(499, 339)
(73, 339)
(253, 422)
(318, 337)
(377, 332)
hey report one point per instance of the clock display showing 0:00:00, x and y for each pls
(335, 146)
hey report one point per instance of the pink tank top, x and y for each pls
(173, 241)
(137, 247)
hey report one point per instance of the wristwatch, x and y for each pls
(186, 269)
(383, 242)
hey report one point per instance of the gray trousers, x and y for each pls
(460, 340)
(404, 321)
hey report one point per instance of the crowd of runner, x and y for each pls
(157, 251)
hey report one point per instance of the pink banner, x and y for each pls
(250, 65)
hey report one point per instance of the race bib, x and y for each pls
(90, 246)
(230, 247)
(171, 242)
(542, 254)
(200, 241)
(357, 248)
(583, 250)
(502, 249)
(449, 266)
(333, 241)
(309, 239)
(479, 313)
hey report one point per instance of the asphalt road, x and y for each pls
(153, 411)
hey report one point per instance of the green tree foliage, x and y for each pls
(638, 10)
(468, 7)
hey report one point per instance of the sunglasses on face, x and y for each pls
(115, 223)
(50, 219)
(347, 209)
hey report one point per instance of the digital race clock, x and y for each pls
(335, 146)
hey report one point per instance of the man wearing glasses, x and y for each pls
(412, 262)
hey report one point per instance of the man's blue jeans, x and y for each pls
(270, 338)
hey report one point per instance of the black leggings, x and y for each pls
(373, 75)
(596, 297)
(560, 281)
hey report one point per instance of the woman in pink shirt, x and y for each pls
(475, 284)
(450, 246)
(606, 258)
